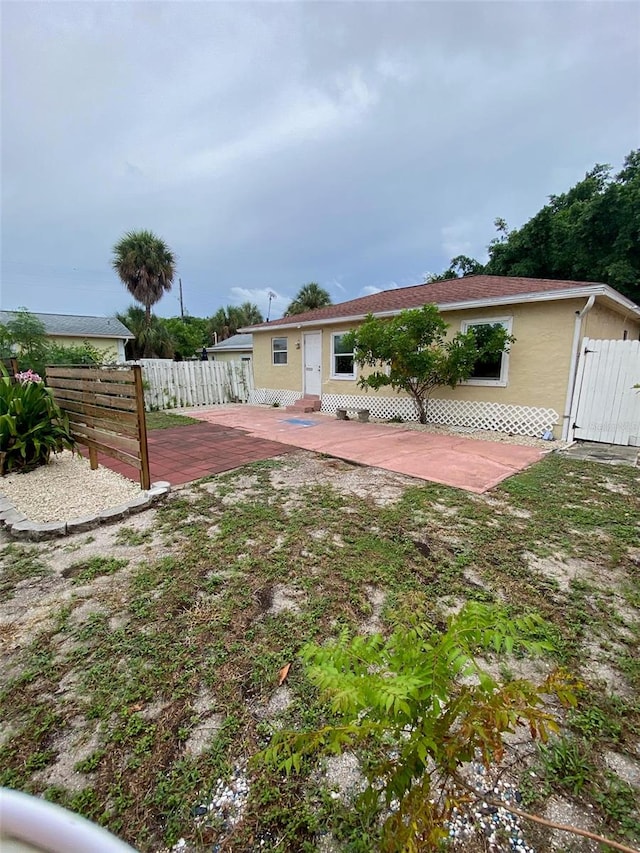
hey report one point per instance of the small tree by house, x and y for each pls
(411, 352)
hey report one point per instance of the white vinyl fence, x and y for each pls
(172, 384)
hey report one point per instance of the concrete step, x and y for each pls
(306, 404)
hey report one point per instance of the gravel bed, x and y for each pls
(67, 488)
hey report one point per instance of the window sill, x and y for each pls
(342, 377)
(487, 383)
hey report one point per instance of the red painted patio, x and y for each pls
(465, 463)
(183, 454)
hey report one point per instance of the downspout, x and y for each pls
(571, 385)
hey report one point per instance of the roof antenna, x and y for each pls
(271, 295)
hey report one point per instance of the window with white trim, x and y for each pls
(279, 350)
(342, 363)
(495, 369)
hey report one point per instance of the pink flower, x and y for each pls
(28, 376)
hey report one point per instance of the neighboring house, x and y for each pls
(104, 333)
(235, 348)
(526, 391)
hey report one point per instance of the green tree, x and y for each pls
(188, 335)
(460, 266)
(146, 267)
(589, 233)
(226, 321)
(25, 336)
(309, 296)
(411, 353)
(151, 337)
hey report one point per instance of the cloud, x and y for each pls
(350, 144)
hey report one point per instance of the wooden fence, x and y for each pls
(173, 384)
(11, 366)
(105, 406)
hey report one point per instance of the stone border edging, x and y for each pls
(20, 527)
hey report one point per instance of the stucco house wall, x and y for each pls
(543, 333)
(601, 323)
(537, 379)
(113, 348)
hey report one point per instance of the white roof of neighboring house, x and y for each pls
(76, 326)
(235, 343)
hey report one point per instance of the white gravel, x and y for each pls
(67, 488)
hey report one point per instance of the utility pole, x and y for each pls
(181, 303)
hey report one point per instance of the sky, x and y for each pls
(359, 145)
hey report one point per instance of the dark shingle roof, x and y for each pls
(75, 326)
(455, 290)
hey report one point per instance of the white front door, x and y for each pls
(312, 362)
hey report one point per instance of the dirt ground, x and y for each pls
(140, 663)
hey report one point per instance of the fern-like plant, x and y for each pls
(422, 705)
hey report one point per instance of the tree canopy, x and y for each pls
(226, 321)
(309, 296)
(151, 336)
(589, 233)
(411, 352)
(146, 267)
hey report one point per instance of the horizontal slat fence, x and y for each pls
(173, 384)
(11, 366)
(105, 407)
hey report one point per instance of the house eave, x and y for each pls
(85, 335)
(541, 296)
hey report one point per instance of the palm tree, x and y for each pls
(226, 321)
(146, 267)
(251, 314)
(309, 296)
(152, 339)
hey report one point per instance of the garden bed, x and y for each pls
(67, 496)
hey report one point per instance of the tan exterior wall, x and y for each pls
(106, 345)
(539, 359)
(280, 377)
(601, 323)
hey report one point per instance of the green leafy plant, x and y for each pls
(31, 425)
(411, 352)
(421, 704)
(565, 761)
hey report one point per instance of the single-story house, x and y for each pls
(528, 391)
(104, 333)
(235, 348)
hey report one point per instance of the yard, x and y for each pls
(141, 662)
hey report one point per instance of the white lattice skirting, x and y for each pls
(517, 420)
(269, 396)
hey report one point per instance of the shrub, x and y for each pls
(420, 705)
(31, 424)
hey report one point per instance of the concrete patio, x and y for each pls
(464, 463)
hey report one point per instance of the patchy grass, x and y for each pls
(19, 563)
(129, 707)
(165, 420)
